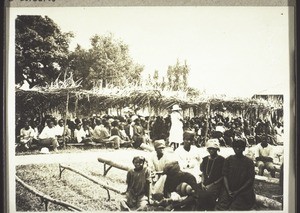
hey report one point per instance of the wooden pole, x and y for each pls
(207, 121)
(65, 118)
(103, 185)
(76, 106)
(46, 198)
(111, 163)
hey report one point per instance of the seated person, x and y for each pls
(211, 168)
(80, 135)
(138, 185)
(48, 137)
(218, 133)
(264, 156)
(156, 163)
(238, 171)
(115, 130)
(188, 156)
(279, 133)
(191, 197)
(101, 134)
(26, 135)
(138, 134)
(63, 133)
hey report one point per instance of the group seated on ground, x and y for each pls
(175, 181)
(139, 131)
(159, 183)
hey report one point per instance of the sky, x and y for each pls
(236, 51)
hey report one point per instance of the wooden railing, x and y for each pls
(46, 198)
(102, 184)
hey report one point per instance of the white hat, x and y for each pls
(176, 107)
(213, 143)
(45, 150)
(134, 117)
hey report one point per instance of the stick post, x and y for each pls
(65, 118)
(207, 121)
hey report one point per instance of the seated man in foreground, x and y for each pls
(264, 155)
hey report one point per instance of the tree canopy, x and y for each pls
(106, 62)
(177, 76)
(41, 50)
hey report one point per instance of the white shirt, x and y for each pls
(26, 133)
(158, 165)
(60, 130)
(48, 133)
(189, 161)
(79, 134)
(220, 129)
(264, 151)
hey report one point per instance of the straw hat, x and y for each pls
(213, 143)
(176, 107)
(45, 150)
(159, 144)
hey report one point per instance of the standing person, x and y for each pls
(138, 186)
(264, 155)
(211, 168)
(48, 136)
(176, 131)
(239, 173)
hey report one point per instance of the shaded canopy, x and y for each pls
(96, 100)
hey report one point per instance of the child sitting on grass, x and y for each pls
(138, 182)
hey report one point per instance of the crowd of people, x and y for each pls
(139, 131)
(180, 178)
(163, 183)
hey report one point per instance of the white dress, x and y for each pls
(176, 131)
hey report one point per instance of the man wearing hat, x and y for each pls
(211, 168)
(157, 162)
(176, 131)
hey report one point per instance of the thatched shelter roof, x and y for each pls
(142, 97)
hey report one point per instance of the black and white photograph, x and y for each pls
(166, 108)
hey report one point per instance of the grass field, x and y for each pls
(79, 191)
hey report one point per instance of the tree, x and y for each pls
(177, 76)
(106, 62)
(41, 50)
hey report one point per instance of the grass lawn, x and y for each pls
(79, 191)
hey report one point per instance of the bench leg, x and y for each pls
(106, 170)
(60, 171)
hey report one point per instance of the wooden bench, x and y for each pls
(109, 164)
